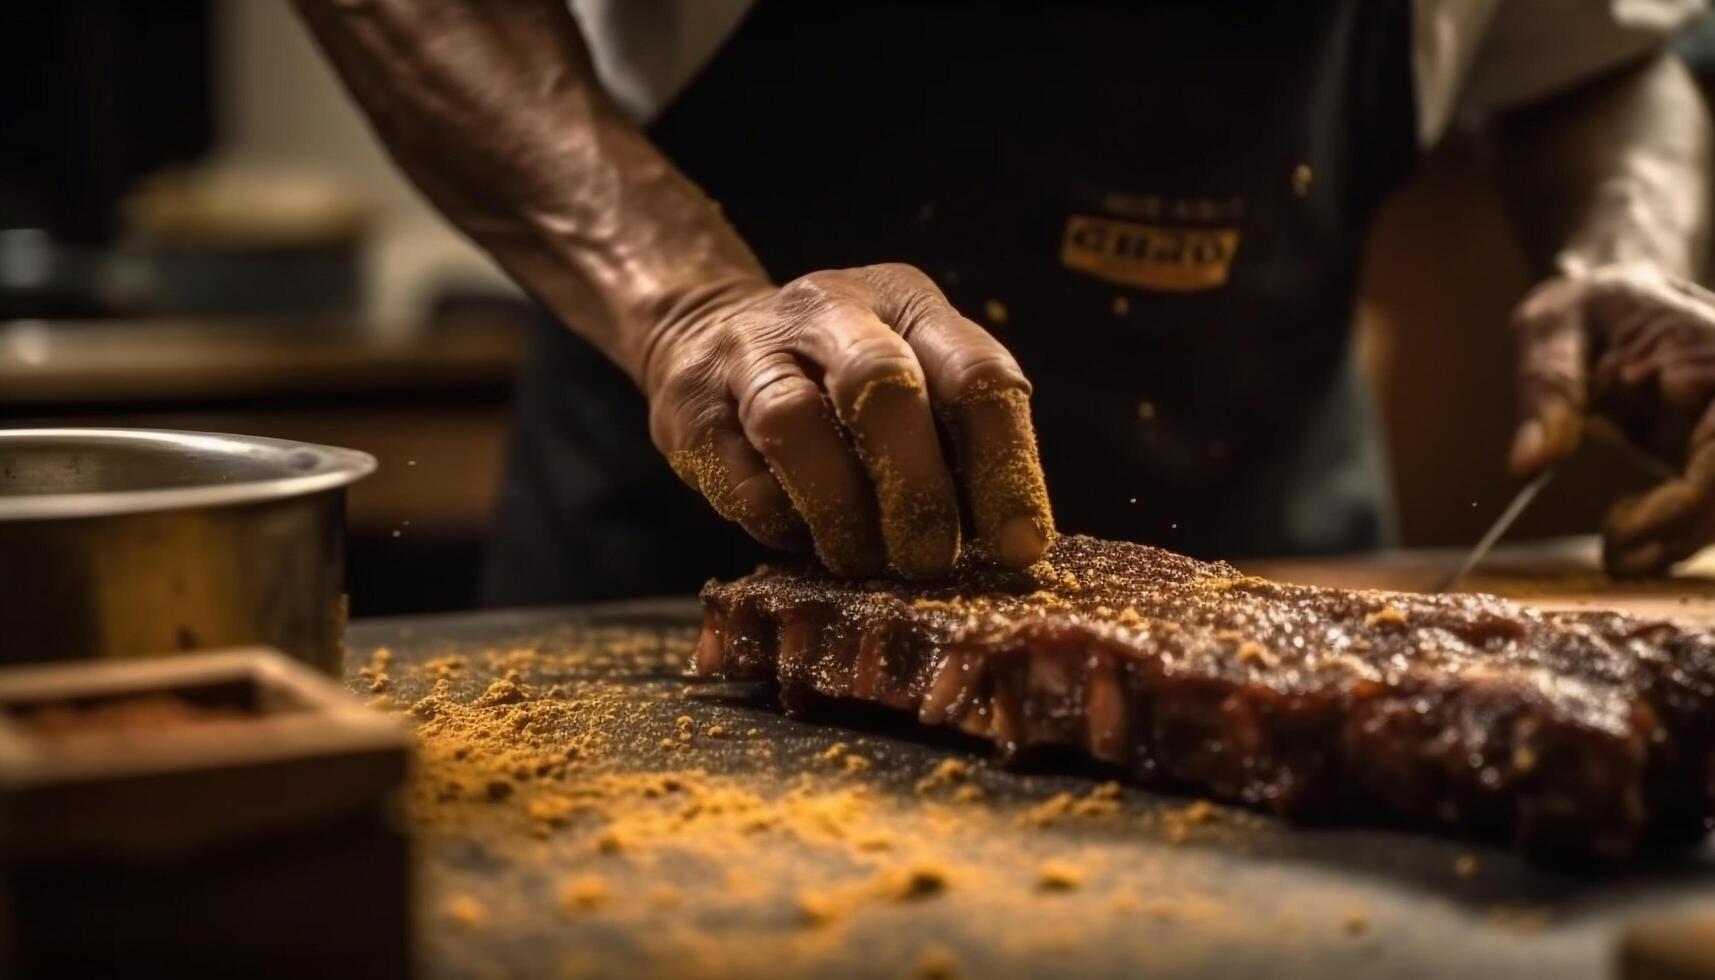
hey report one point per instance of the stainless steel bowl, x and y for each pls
(133, 542)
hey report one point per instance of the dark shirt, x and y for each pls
(1159, 208)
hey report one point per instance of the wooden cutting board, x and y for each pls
(1563, 573)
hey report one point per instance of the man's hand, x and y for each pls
(809, 412)
(1637, 347)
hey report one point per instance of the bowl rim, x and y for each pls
(332, 467)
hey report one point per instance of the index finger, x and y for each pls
(1552, 350)
(877, 389)
(984, 400)
(1003, 483)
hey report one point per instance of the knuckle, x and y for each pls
(1624, 279)
(920, 308)
(684, 379)
(777, 405)
(909, 292)
(812, 293)
(1550, 305)
(875, 353)
(755, 338)
(1539, 317)
(975, 369)
(683, 422)
(871, 361)
(686, 361)
(898, 274)
(693, 385)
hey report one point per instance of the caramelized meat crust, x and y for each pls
(1581, 734)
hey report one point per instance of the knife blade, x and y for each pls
(1517, 506)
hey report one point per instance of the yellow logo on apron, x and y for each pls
(1158, 257)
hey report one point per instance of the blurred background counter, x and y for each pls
(198, 231)
(432, 407)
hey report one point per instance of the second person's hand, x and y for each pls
(1638, 347)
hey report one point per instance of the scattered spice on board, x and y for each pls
(937, 963)
(551, 797)
(1058, 876)
(468, 912)
(583, 894)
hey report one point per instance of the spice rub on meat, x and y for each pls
(1573, 734)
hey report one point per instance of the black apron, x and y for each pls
(1159, 208)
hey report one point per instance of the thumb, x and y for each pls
(1552, 376)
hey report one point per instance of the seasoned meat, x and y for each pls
(1585, 734)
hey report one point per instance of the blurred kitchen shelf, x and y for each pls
(46, 363)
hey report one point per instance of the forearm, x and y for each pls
(1614, 173)
(495, 112)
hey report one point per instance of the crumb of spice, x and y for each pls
(1385, 616)
(1100, 802)
(467, 911)
(444, 666)
(1048, 811)
(815, 908)
(922, 880)
(948, 773)
(876, 841)
(583, 894)
(506, 690)
(936, 963)
(550, 809)
(1058, 876)
(1250, 651)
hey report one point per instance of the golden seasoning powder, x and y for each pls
(554, 793)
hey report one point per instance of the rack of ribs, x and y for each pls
(1584, 735)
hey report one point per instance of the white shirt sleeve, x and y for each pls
(645, 51)
(1477, 56)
